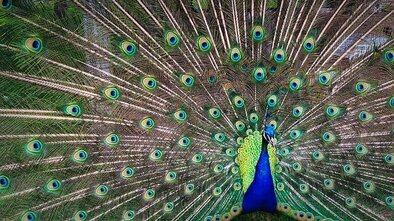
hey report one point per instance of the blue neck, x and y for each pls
(260, 195)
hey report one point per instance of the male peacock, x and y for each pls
(196, 109)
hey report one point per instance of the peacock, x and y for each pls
(185, 110)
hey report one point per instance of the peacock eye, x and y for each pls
(72, 110)
(280, 186)
(279, 56)
(187, 80)
(214, 112)
(156, 154)
(212, 79)
(34, 45)
(361, 149)
(149, 83)
(219, 137)
(328, 184)
(101, 190)
(189, 189)
(235, 55)
(296, 167)
(369, 186)
(218, 168)
(180, 115)
(389, 55)
(259, 74)
(129, 47)
(111, 93)
(127, 172)
(238, 102)
(29, 216)
(273, 70)
(184, 142)
(296, 134)
(217, 191)
(363, 87)
(6, 4)
(388, 158)
(298, 111)
(325, 78)
(170, 177)
(128, 215)
(333, 111)
(53, 185)
(365, 116)
(272, 101)
(197, 158)
(295, 84)
(284, 152)
(172, 39)
(80, 215)
(168, 207)
(112, 140)
(328, 137)
(240, 125)
(350, 202)
(204, 44)
(34, 147)
(4, 183)
(253, 118)
(149, 194)
(80, 156)
(147, 123)
(304, 188)
(258, 33)
(389, 201)
(349, 169)
(309, 44)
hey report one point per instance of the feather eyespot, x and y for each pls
(101, 190)
(128, 215)
(4, 183)
(111, 93)
(6, 4)
(258, 33)
(204, 44)
(34, 147)
(279, 56)
(189, 189)
(149, 194)
(235, 55)
(80, 215)
(53, 185)
(149, 83)
(172, 39)
(309, 45)
(34, 45)
(147, 123)
(80, 156)
(156, 154)
(214, 112)
(112, 139)
(29, 216)
(129, 48)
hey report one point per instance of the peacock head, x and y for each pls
(269, 135)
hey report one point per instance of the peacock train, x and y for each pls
(185, 110)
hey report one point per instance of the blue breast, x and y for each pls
(260, 195)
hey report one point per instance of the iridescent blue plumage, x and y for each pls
(260, 195)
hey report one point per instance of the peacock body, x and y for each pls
(196, 109)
